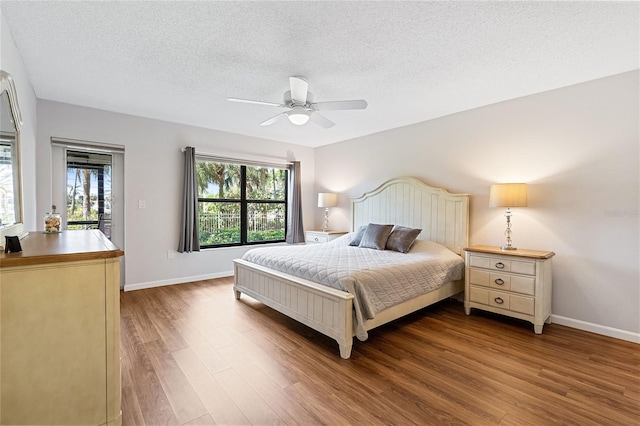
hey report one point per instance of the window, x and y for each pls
(240, 204)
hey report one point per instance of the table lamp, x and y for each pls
(326, 200)
(508, 195)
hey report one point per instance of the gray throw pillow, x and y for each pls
(375, 236)
(358, 237)
(401, 238)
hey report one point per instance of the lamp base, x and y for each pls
(325, 225)
(508, 248)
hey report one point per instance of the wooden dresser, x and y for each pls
(60, 330)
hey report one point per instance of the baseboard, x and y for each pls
(181, 280)
(596, 328)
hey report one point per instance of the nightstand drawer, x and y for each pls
(489, 279)
(490, 298)
(498, 264)
(318, 237)
(499, 299)
(315, 238)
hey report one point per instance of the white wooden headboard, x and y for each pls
(442, 216)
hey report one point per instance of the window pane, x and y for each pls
(218, 180)
(265, 183)
(265, 222)
(219, 223)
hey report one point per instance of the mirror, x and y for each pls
(10, 172)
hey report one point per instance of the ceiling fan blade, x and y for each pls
(273, 119)
(321, 120)
(299, 89)
(337, 105)
(248, 101)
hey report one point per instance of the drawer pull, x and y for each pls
(499, 281)
(500, 265)
(315, 239)
(499, 300)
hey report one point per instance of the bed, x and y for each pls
(443, 218)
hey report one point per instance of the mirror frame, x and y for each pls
(6, 84)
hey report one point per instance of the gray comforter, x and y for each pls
(378, 279)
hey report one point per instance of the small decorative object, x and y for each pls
(52, 222)
(326, 200)
(508, 195)
(12, 244)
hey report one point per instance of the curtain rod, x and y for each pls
(230, 158)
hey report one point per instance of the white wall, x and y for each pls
(11, 62)
(576, 147)
(153, 172)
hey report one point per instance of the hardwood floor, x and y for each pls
(193, 355)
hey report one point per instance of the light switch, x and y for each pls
(142, 204)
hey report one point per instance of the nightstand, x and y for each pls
(516, 283)
(314, 237)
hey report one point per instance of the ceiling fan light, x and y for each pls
(298, 116)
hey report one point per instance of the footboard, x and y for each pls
(324, 309)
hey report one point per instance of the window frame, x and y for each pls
(244, 202)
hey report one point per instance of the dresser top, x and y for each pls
(535, 254)
(67, 246)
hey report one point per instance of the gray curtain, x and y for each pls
(295, 230)
(189, 224)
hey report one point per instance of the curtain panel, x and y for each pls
(189, 240)
(295, 228)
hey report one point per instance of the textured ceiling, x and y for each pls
(412, 61)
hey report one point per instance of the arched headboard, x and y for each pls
(442, 216)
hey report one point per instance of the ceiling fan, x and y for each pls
(300, 105)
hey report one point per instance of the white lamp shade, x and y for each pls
(508, 195)
(327, 199)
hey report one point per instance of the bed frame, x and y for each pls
(443, 218)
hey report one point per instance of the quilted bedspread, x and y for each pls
(378, 279)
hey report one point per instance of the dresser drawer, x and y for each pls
(498, 264)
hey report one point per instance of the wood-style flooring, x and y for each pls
(193, 355)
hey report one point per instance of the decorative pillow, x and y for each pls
(358, 237)
(375, 236)
(401, 238)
